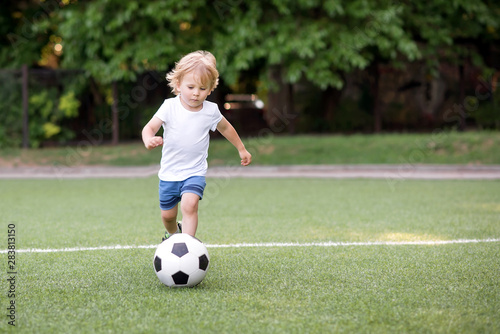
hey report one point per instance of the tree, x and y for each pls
(19, 41)
(314, 40)
(284, 41)
(114, 40)
(457, 32)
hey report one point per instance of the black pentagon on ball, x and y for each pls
(157, 263)
(180, 278)
(204, 262)
(180, 249)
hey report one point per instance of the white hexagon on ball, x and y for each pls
(181, 261)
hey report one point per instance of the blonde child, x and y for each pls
(187, 120)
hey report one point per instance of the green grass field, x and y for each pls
(358, 288)
(447, 147)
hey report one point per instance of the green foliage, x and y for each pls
(11, 111)
(115, 40)
(68, 105)
(20, 42)
(449, 31)
(488, 115)
(320, 41)
(49, 107)
(308, 40)
(312, 40)
(46, 118)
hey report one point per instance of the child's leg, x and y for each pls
(189, 209)
(169, 219)
(191, 193)
(169, 192)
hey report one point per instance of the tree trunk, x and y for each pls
(330, 98)
(26, 135)
(461, 82)
(375, 92)
(115, 119)
(291, 117)
(280, 112)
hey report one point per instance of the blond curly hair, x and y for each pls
(201, 63)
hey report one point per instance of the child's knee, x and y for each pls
(189, 203)
(169, 215)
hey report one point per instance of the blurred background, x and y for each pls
(94, 70)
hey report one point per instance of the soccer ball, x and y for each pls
(181, 261)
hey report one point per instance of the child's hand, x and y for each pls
(154, 142)
(246, 158)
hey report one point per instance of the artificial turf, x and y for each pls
(300, 288)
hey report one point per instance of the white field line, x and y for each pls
(270, 244)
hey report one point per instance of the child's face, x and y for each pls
(192, 92)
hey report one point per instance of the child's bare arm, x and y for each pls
(149, 133)
(228, 131)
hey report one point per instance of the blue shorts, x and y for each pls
(172, 191)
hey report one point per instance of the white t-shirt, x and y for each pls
(185, 139)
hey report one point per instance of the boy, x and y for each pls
(187, 120)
